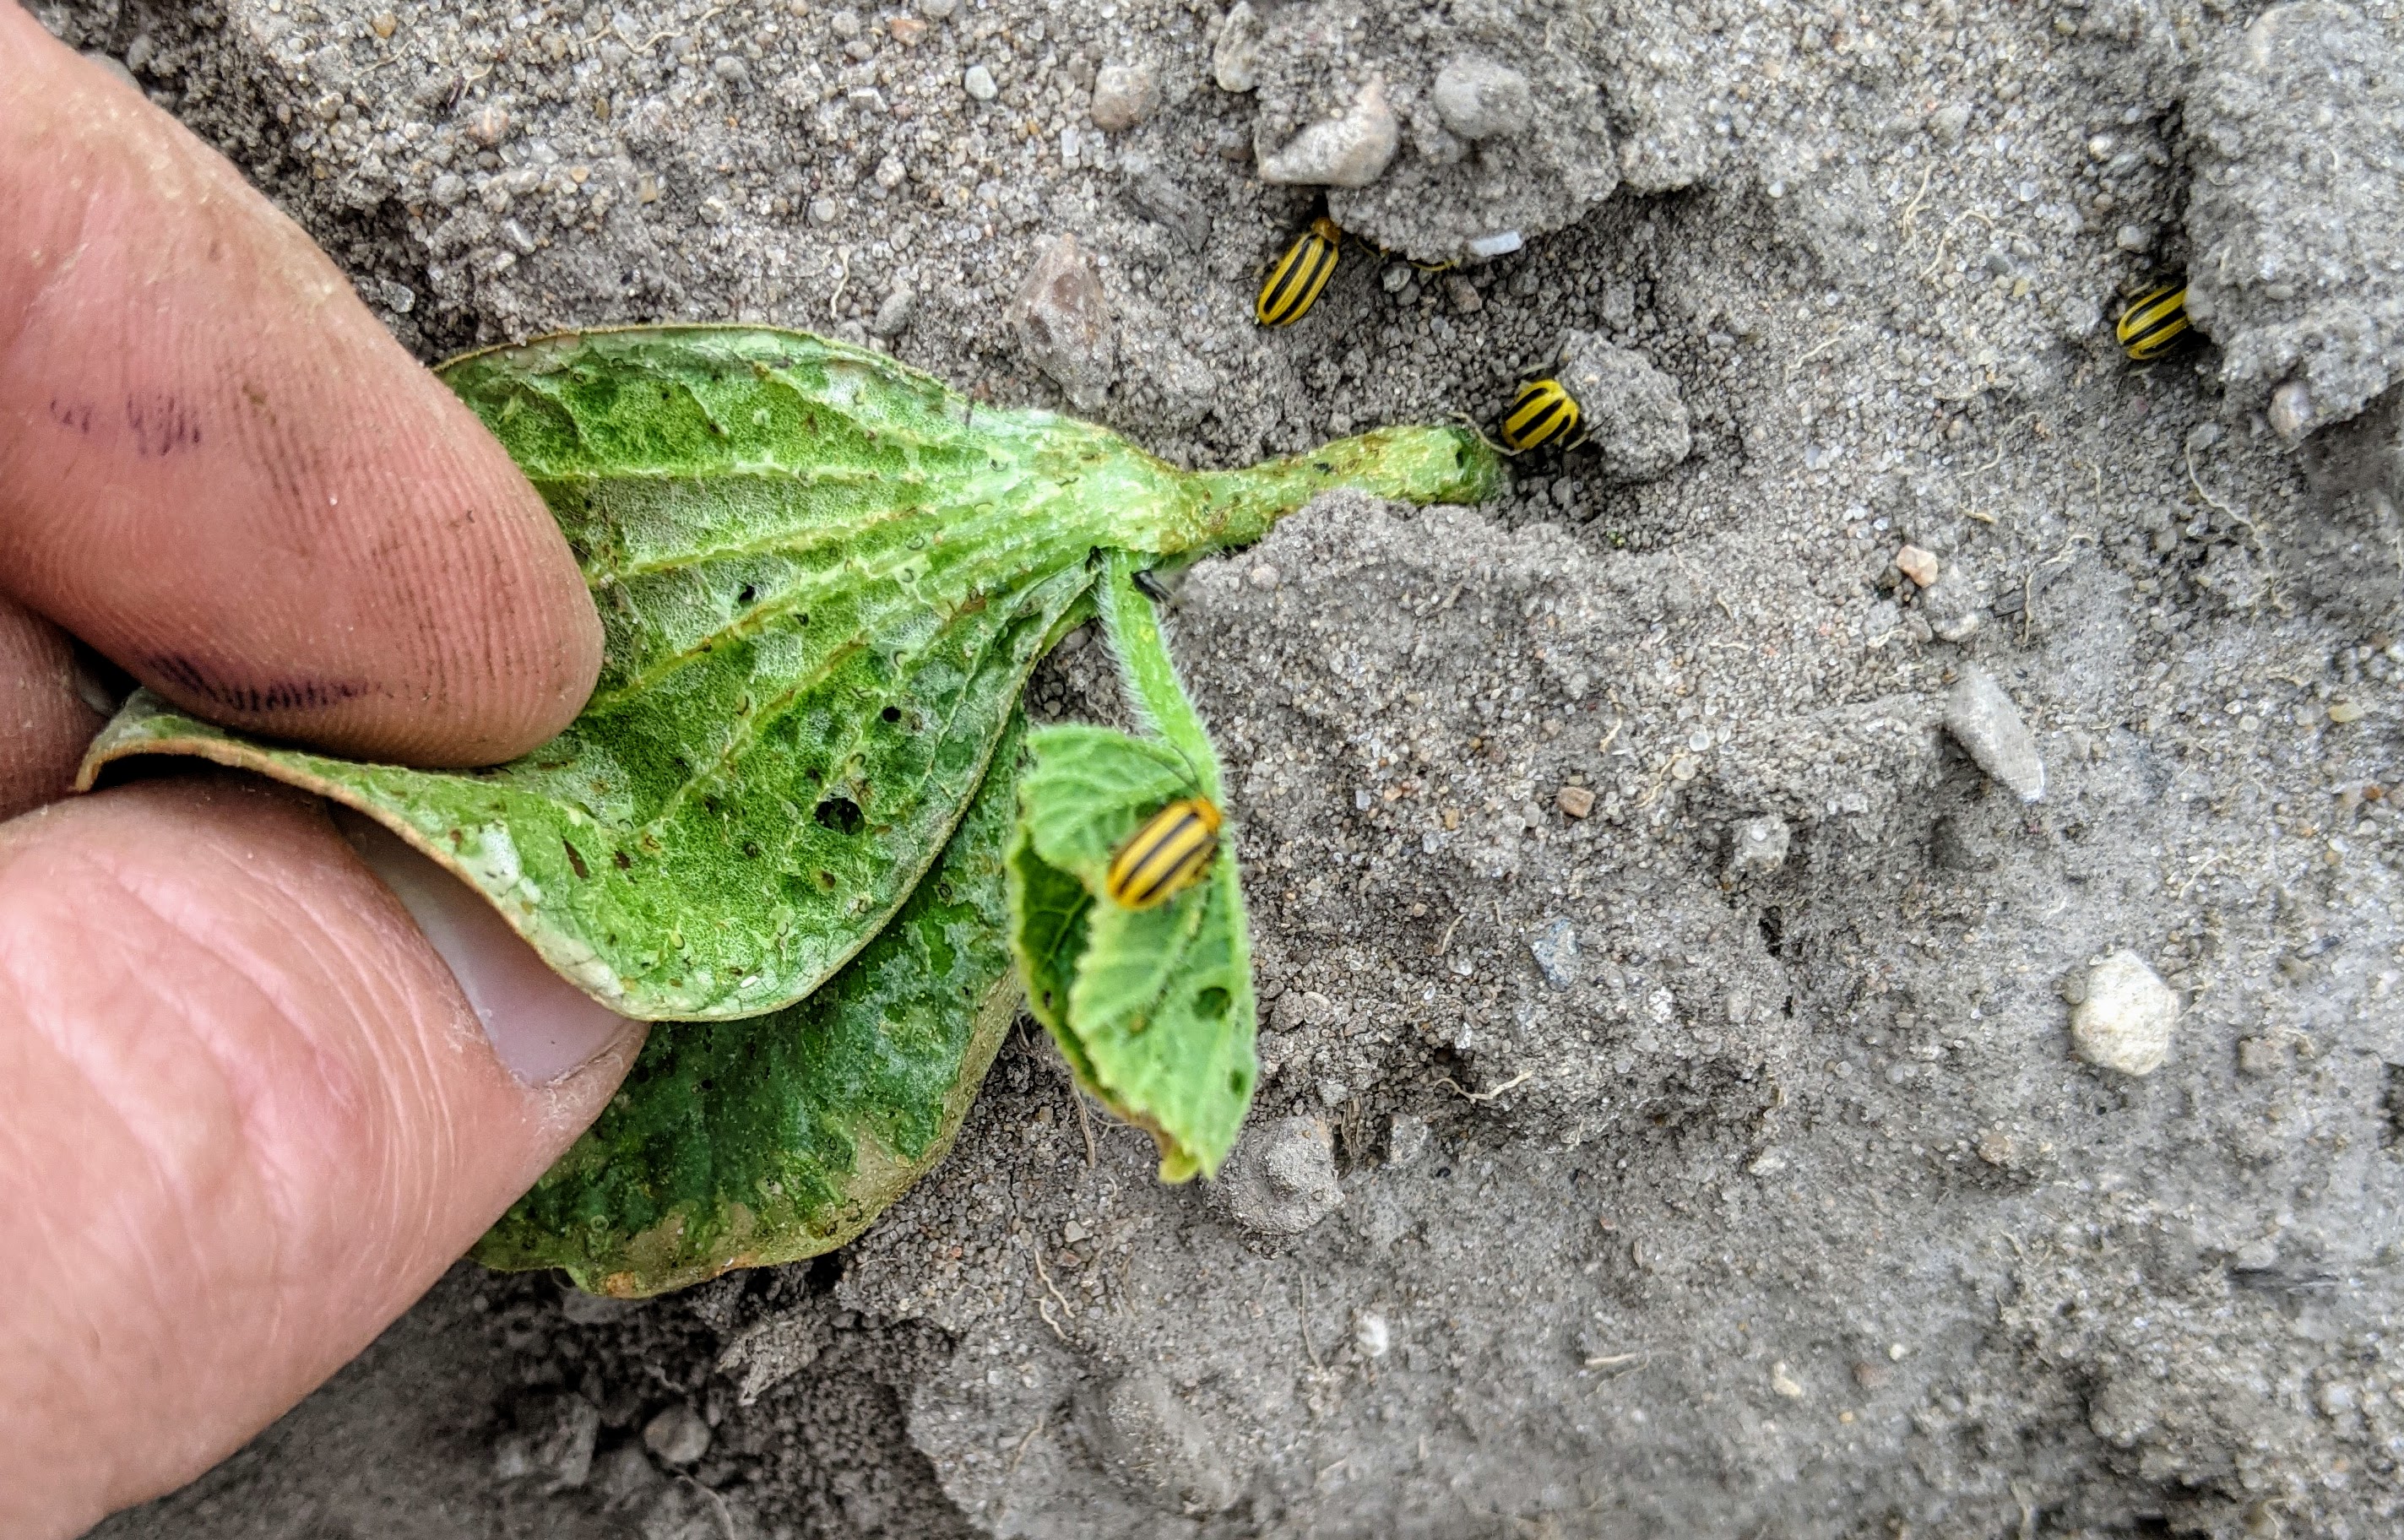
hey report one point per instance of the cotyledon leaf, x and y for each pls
(823, 579)
(744, 1143)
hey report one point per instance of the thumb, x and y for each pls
(248, 1112)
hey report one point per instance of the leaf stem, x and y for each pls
(1412, 465)
(1151, 673)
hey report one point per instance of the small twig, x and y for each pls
(1032, 1434)
(1489, 1095)
(1446, 939)
(1909, 222)
(1085, 1124)
(1611, 1361)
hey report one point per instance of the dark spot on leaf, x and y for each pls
(826, 880)
(1213, 1002)
(624, 860)
(1238, 1081)
(751, 849)
(576, 861)
(842, 815)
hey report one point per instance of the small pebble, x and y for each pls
(490, 125)
(1576, 801)
(1371, 1335)
(2342, 712)
(822, 210)
(1281, 1180)
(1406, 1139)
(2291, 411)
(1555, 949)
(1759, 847)
(2125, 1021)
(2134, 238)
(894, 314)
(1263, 577)
(1235, 60)
(1464, 294)
(1480, 99)
(1985, 723)
(906, 30)
(1063, 320)
(1124, 96)
(1350, 151)
(938, 10)
(978, 82)
(1785, 1383)
(384, 23)
(1919, 565)
(678, 1434)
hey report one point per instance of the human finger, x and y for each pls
(247, 1116)
(218, 469)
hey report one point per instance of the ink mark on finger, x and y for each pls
(179, 674)
(161, 426)
(74, 416)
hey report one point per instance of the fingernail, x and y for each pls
(542, 1026)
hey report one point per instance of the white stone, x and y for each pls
(2125, 1021)
(1479, 99)
(978, 82)
(1124, 96)
(1236, 61)
(1983, 719)
(1350, 151)
(677, 1435)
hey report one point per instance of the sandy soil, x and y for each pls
(1676, 1121)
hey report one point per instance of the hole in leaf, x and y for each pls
(892, 713)
(826, 880)
(1213, 1002)
(576, 862)
(842, 815)
(748, 594)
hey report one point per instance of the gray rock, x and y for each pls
(1480, 99)
(1063, 321)
(1630, 413)
(893, 315)
(1350, 152)
(2125, 1021)
(2356, 471)
(773, 1352)
(1759, 847)
(978, 82)
(1158, 196)
(1156, 1446)
(1985, 723)
(1124, 96)
(1952, 606)
(677, 1435)
(2296, 212)
(1554, 948)
(1235, 58)
(553, 1444)
(1281, 1179)
(1406, 1139)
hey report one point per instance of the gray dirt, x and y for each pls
(1671, 1120)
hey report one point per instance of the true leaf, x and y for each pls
(1153, 1008)
(823, 579)
(742, 1144)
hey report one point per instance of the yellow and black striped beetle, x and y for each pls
(1541, 411)
(1167, 856)
(1294, 282)
(2154, 322)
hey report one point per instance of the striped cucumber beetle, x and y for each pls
(1294, 282)
(1541, 411)
(1168, 855)
(2154, 322)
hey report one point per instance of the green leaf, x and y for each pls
(823, 578)
(1153, 1008)
(742, 1144)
